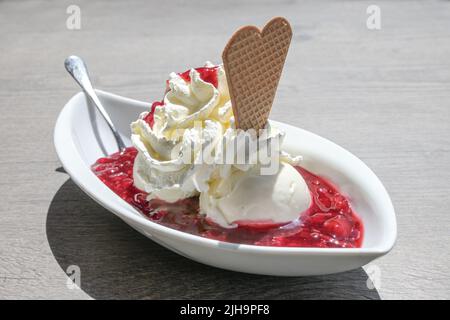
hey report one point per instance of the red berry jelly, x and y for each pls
(330, 221)
(207, 74)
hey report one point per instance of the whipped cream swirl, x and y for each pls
(196, 112)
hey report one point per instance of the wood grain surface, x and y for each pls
(382, 94)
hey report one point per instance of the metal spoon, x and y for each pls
(78, 70)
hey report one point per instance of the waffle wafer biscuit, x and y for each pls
(253, 62)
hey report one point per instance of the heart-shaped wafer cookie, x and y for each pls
(253, 62)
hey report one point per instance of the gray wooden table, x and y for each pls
(383, 94)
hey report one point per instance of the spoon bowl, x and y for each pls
(82, 136)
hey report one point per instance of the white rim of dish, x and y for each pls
(62, 139)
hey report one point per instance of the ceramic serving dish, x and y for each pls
(81, 136)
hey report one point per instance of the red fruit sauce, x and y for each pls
(149, 118)
(207, 74)
(328, 223)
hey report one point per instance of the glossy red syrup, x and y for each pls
(328, 223)
(207, 74)
(149, 118)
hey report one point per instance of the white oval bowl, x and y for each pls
(81, 136)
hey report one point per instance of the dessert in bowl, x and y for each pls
(321, 210)
(233, 202)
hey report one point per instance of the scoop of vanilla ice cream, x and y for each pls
(197, 112)
(249, 196)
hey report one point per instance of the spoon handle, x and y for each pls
(78, 70)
